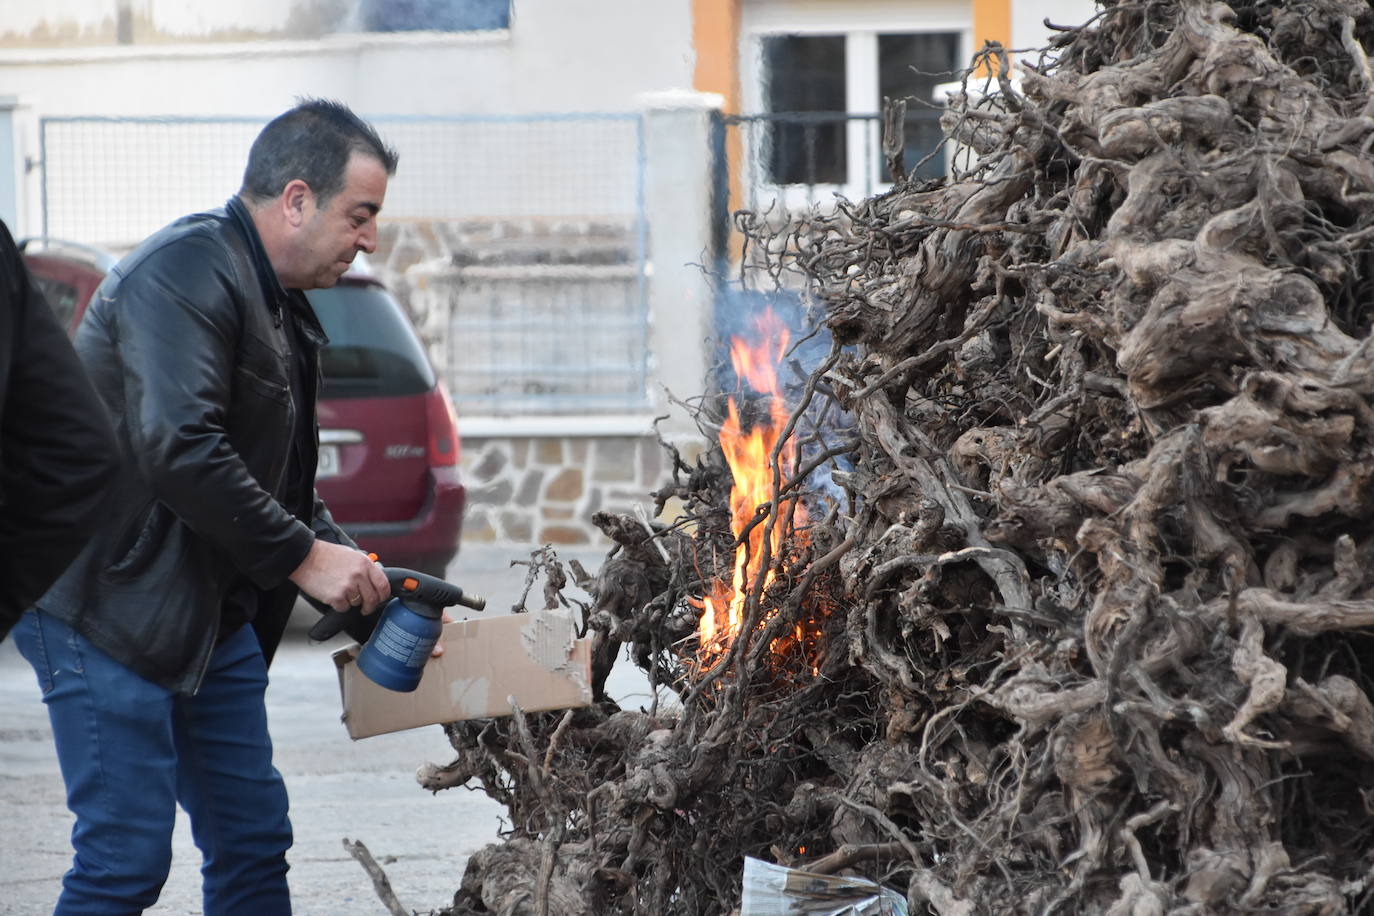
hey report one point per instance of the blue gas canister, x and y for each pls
(411, 623)
(395, 655)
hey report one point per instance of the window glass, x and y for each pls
(372, 350)
(435, 15)
(910, 66)
(805, 90)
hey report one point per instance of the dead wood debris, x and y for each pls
(1093, 610)
(380, 882)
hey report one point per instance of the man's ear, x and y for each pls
(296, 199)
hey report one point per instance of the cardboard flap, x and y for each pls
(534, 660)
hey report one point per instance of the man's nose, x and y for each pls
(367, 239)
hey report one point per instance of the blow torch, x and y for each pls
(411, 622)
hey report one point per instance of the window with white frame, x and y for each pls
(821, 94)
(910, 66)
(804, 83)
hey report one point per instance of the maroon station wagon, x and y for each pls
(389, 445)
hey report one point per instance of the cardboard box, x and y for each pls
(534, 660)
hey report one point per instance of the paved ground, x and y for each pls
(363, 790)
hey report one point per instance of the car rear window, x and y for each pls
(372, 352)
(61, 296)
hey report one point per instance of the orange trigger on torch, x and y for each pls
(410, 585)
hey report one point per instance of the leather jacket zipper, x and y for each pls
(269, 383)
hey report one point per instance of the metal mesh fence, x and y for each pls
(509, 194)
(112, 181)
(574, 166)
(537, 338)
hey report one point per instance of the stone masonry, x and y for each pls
(544, 490)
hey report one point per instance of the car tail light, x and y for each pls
(443, 428)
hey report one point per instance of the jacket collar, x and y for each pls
(279, 299)
(272, 290)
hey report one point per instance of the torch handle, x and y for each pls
(422, 589)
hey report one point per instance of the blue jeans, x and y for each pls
(130, 751)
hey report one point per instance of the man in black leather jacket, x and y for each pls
(151, 649)
(57, 452)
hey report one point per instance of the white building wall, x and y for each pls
(80, 21)
(40, 19)
(1028, 19)
(194, 18)
(557, 56)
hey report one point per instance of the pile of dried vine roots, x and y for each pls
(1091, 627)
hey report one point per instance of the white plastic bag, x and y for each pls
(774, 890)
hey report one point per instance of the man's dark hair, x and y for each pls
(312, 142)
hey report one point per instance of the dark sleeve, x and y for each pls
(178, 327)
(360, 627)
(326, 529)
(57, 448)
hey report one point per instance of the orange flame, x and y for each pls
(748, 454)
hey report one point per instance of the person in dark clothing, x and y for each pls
(57, 450)
(152, 648)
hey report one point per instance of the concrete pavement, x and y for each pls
(363, 790)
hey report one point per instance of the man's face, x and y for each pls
(333, 235)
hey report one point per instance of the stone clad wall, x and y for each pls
(544, 490)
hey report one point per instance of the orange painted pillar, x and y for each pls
(715, 36)
(991, 22)
(716, 40)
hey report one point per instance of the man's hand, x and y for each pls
(439, 646)
(341, 577)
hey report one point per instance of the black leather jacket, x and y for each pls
(57, 454)
(187, 341)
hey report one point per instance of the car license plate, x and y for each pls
(328, 465)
